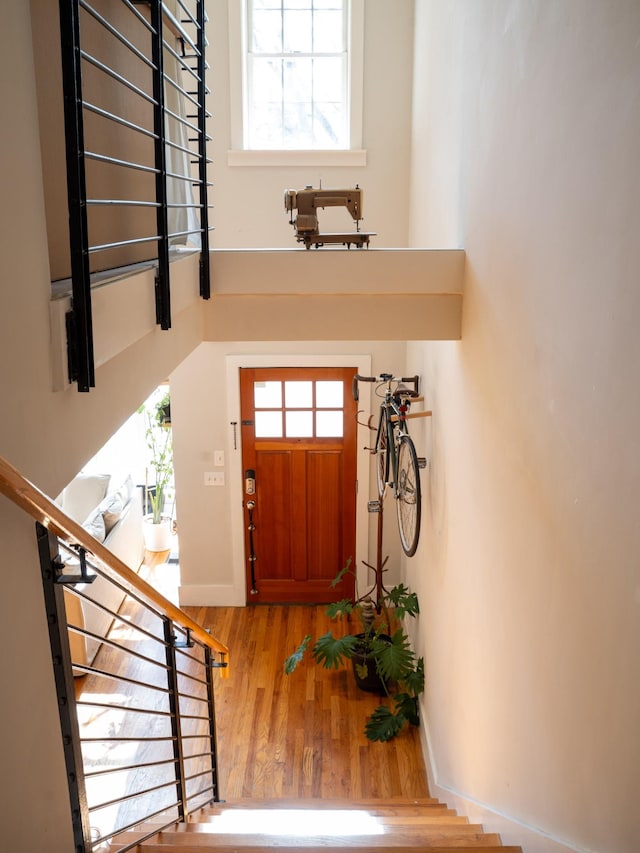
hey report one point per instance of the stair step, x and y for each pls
(404, 826)
(392, 827)
(372, 807)
(425, 838)
(156, 847)
(387, 817)
(325, 803)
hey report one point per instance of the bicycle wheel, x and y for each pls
(382, 455)
(408, 496)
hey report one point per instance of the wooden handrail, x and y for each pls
(41, 508)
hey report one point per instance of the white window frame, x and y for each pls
(239, 155)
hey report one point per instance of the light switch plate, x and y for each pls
(218, 458)
(214, 478)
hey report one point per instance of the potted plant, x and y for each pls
(380, 654)
(163, 410)
(158, 435)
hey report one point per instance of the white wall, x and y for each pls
(249, 201)
(529, 574)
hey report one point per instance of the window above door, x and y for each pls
(296, 82)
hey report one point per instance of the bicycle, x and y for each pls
(398, 465)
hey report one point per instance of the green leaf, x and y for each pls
(414, 680)
(404, 601)
(293, 660)
(383, 724)
(394, 660)
(407, 708)
(332, 652)
(362, 670)
(343, 571)
(161, 458)
(339, 608)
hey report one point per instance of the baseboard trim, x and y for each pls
(210, 595)
(511, 831)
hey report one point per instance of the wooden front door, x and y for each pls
(299, 437)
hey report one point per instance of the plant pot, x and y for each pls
(157, 537)
(371, 682)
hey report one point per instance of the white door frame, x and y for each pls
(233, 365)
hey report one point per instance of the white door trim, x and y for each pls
(233, 363)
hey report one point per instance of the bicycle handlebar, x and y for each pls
(385, 377)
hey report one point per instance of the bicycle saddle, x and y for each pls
(403, 391)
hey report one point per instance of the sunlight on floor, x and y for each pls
(296, 822)
(165, 577)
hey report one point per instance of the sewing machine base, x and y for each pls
(358, 238)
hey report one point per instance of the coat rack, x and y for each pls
(379, 569)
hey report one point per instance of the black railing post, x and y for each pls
(174, 708)
(205, 263)
(208, 660)
(163, 293)
(81, 364)
(63, 673)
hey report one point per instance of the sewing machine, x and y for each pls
(307, 202)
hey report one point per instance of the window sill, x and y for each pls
(354, 157)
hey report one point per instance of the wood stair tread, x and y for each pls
(389, 830)
(388, 817)
(325, 802)
(155, 847)
(375, 807)
(425, 838)
(408, 825)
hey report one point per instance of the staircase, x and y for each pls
(327, 752)
(250, 826)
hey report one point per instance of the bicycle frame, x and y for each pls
(393, 411)
(397, 462)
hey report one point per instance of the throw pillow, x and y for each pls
(83, 494)
(94, 525)
(111, 509)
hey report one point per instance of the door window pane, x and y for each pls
(298, 395)
(299, 408)
(299, 424)
(267, 395)
(268, 424)
(329, 395)
(329, 424)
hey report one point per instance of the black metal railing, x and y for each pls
(138, 718)
(134, 83)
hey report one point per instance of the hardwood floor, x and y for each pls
(297, 737)
(301, 735)
(286, 744)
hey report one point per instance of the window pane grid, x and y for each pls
(299, 409)
(308, 29)
(297, 68)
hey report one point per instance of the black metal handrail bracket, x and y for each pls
(147, 36)
(139, 732)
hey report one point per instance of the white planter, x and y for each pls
(157, 537)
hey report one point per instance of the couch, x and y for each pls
(112, 514)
